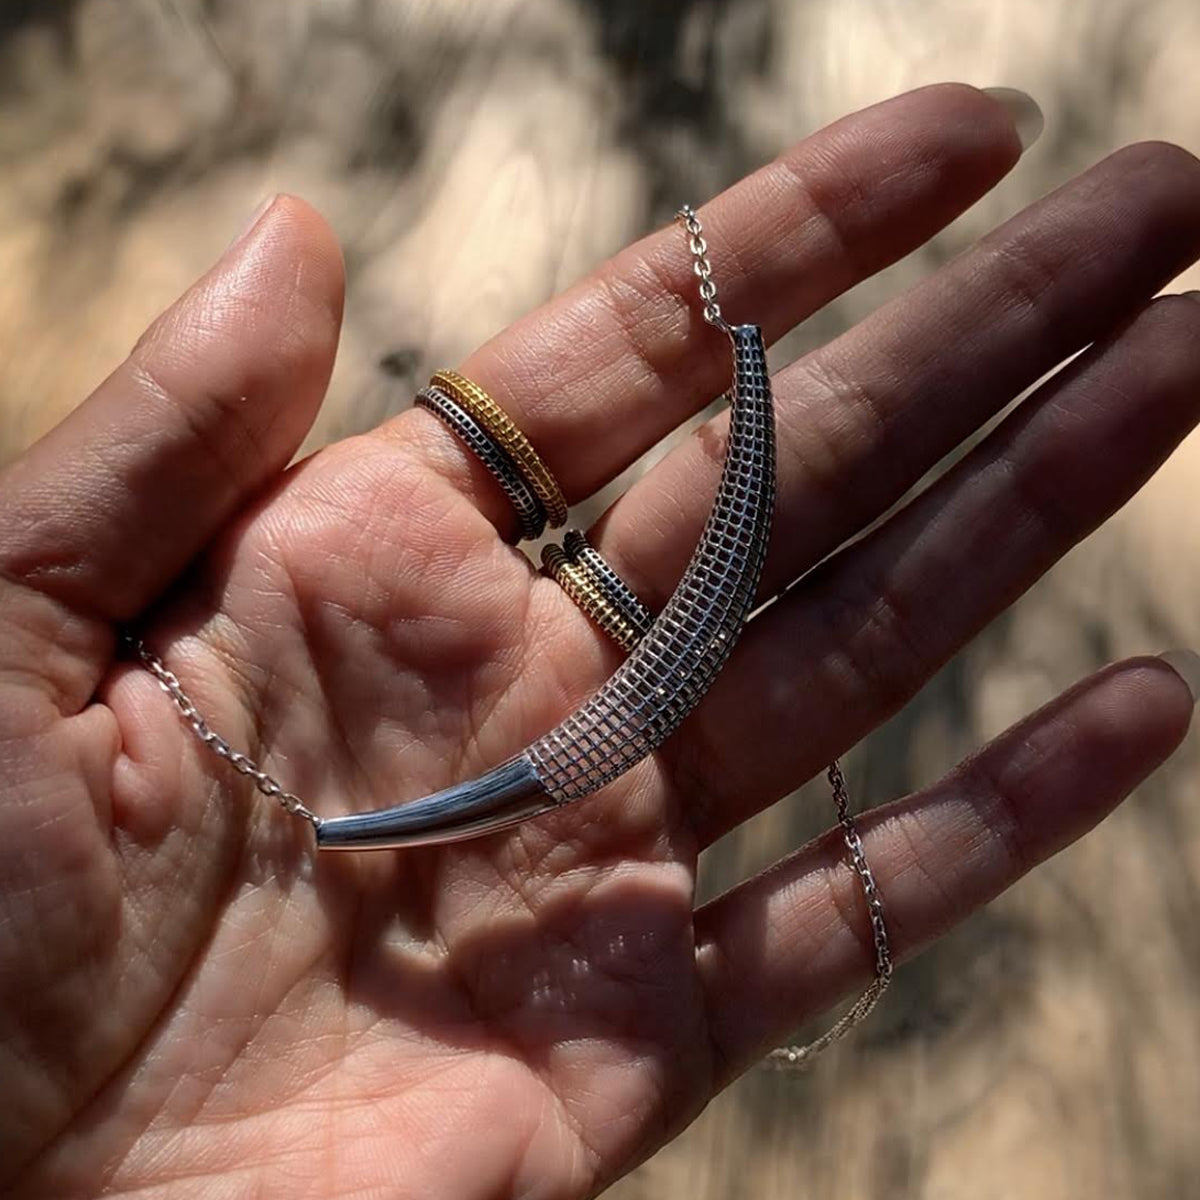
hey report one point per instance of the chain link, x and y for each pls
(800, 1056)
(702, 267)
(269, 786)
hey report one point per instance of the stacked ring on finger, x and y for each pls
(582, 572)
(583, 590)
(623, 598)
(499, 463)
(503, 430)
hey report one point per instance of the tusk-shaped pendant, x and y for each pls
(664, 678)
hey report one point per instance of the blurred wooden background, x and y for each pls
(476, 156)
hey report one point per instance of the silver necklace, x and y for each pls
(648, 696)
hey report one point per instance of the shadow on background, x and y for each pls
(111, 116)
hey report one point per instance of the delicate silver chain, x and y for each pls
(801, 1056)
(785, 1056)
(269, 786)
(702, 267)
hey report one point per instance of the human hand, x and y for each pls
(191, 1002)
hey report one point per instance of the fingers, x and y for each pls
(108, 508)
(602, 372)
(861, 420)
(786, 944)
(854, 640)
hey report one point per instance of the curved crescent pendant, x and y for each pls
(664, 677)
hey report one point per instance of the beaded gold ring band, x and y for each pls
(503, 430)
(618, 593)
(583, 589)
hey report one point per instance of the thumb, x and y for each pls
(107, 509)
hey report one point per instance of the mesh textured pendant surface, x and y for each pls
(676, 662)
(664, 678)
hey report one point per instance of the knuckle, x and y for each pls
(839, 204)
(843, 893)
(879, 644)
(634, 306)
(1026, 271)
(997, 802)
(842, 420)
(220, 425)
(847, 392)
(1044, 499)
(913, 852)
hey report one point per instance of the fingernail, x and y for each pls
(1185, 664)
(1025, 113)
(249, 227)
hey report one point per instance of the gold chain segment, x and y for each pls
(501, 426)
(582, 589)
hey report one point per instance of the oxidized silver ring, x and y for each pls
(499, 463)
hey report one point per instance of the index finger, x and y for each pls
(602, 372)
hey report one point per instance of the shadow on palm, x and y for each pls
(384, 643)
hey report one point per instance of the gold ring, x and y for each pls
(501, 426)
(582, 589)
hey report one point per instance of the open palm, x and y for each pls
(190, 1000)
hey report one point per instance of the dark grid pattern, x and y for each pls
(587, 594)
(675, 663)
(504, 432)
(615, 590)
(495, 458)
